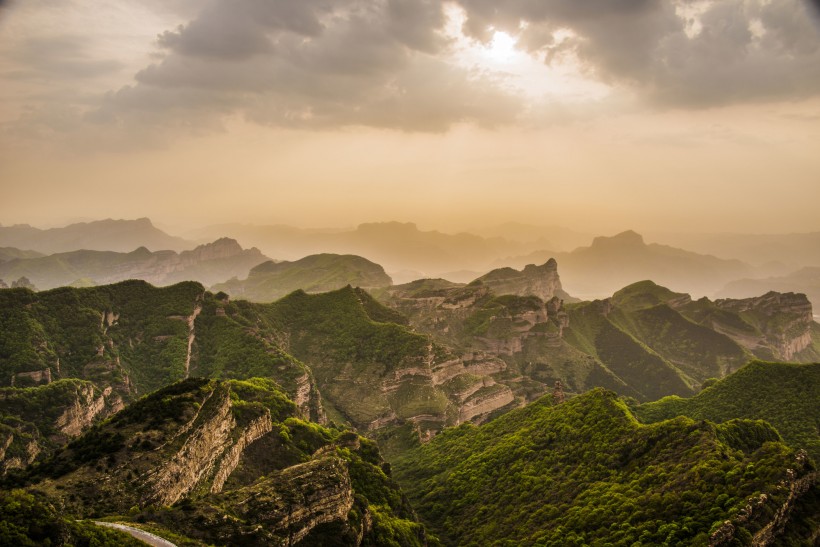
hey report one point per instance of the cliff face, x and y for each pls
(541, 281)
(210, 452)
(784, 323)
(37, 420)
(238, 464)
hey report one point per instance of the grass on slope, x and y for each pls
(785, 395)
(586, 472)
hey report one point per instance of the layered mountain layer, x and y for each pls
(100, 235)
(207, 264)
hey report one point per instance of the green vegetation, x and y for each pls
(352, 352)
(102, 334)
(785, 395)
(28, 519)
(271, 281)
(586, 472)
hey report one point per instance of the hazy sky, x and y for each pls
(599, 115)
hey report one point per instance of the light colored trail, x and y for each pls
(142, 535)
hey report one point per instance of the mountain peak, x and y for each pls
(628, 238)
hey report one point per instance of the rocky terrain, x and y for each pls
(229, 463)
(805, 281)
(223, 421)
(645, 341)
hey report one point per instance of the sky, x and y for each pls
(600, 115)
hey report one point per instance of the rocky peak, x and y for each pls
(541, 281)
(221, 248)
(784, 319)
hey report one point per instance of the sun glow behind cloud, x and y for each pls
(524, 73)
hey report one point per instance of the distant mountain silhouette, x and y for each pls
(613, 262)
(208, 264)
(805, 280)
(395, 245)
(100, 235)
(773, 254)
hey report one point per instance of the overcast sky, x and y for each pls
(599, 115)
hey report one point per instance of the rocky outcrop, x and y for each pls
(32, 378)
(308, 399)
(87, 408)
(784, 322)
(300, 498)
(191, 337)
(798, 482)
(208, 439)
(541, 281)
(19, 447)
(255, 430)
(484, 401)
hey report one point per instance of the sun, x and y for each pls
(501, 49)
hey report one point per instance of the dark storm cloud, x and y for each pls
(746, 50)
(313, 63)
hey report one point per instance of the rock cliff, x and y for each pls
(784, 323)
(541, 281)
(238, 466)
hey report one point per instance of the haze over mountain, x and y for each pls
(208, 264)
(613, 262)
(396, 246)
(100, 235)
(772, 254)
(509, 140)
(805, 280)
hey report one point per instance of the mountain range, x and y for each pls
(614, 262)
(100, 235)
(408, 253)
(216, 421)
(208, 264)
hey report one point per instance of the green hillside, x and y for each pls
(30, 520)
(355, 350)
(271, 281)
(585, 472)
(786, 395)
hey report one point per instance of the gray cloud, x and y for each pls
(63, 56)
(311, 63)
(645, 45)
